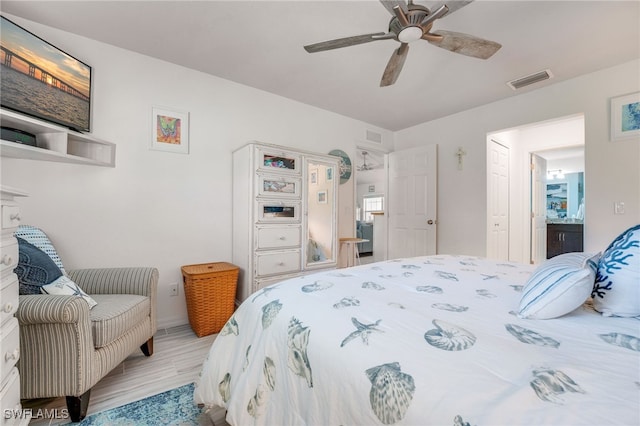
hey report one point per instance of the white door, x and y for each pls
(498, 202)
(538, 209)
(412, 202)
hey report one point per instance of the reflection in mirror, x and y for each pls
(565, 198)
(320, 221)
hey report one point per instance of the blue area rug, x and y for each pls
(173, 407)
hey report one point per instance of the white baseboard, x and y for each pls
(168, 322)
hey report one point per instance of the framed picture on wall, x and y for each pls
(625, 117)
(322, 197)
(170, 130)
(313, 176)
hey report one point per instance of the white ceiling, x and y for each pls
(259, 43)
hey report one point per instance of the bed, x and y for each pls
(436, 340)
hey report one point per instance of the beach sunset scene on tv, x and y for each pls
(41, 80)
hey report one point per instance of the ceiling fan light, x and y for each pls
(410, 34)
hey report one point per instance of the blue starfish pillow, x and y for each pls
(616, 291)
(35, 268)
(38, 274)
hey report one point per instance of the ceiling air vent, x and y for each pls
(374, 136)
(519, 83)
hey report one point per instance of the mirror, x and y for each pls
(321, 212)
(565, 198)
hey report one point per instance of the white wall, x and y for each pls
(611, 168)
(157, 208)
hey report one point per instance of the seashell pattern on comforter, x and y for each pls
(429, 340)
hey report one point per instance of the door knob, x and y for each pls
(430, 222)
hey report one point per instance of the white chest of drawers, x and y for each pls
(284, 204)
(9, 329)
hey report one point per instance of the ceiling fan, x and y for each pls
(365, 166)
(411, 22)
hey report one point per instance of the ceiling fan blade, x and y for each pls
(452, 5)
(464, 44)
(390, 4)
(401, 15)
(437, 14)
(394, 66)
(344, 42)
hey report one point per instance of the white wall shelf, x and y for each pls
(55, 143)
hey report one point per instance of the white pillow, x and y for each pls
(616, 291)
(558, 286)
(64, 286)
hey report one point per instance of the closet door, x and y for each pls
(320, 247)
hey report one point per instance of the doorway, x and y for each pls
(561, 143)
(563, 198)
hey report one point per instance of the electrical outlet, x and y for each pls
(618, 207)
(173, 289)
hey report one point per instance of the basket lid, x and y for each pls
(204, 268)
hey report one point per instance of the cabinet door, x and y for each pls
(573, 241)
(554, 242)
(320, 244)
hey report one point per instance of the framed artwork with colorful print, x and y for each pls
(170, 130)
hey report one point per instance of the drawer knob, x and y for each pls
(6, 260)
(15, 216)
(282, 238)
(280, 263)
(14, 355)
(7, 308)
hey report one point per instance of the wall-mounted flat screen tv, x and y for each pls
(42, 81)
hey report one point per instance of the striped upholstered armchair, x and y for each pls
(67, 345)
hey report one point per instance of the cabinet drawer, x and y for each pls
(8, 298)
(10, 397)
(274, 160)
(279, 186)
(266, 282)
(275, 263)
(10, 338)
(274, 237)
(274, 211)
(8, 255)
(10, 216)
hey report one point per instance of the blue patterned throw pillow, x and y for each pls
(558, 286)
(38, 238)
(35, 268)
(616, 291)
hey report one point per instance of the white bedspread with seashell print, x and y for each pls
(421, 341)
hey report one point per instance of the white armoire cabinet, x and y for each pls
(9, 328)
(284, 214)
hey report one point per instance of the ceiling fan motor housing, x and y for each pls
(413, 31)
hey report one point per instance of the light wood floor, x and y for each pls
(177, 360)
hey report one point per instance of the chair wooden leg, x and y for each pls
(77, 406)
(147, 347)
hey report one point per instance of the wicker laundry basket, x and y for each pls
(210, 291)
